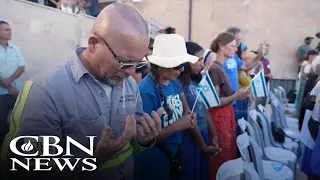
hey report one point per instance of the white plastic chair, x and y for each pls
(289, 125)
(292, 112)
(269, 141)
(277, 93)
(268, 170)
(293, 134)
(234, 169)
(291, 107)
(268, 152)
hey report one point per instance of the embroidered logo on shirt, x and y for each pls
(128, 98)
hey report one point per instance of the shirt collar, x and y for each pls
(77, 67)
(9, 45)
(218, 63)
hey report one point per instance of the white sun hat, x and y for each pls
(169, 51)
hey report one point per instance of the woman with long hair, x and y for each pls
(195, 155)
(224, 45)
(159, 89)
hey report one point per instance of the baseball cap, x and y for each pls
(308, 38)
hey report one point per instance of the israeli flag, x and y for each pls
(258, 85)
(207, 93)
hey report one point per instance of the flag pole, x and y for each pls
(248, 87)
(195, 102)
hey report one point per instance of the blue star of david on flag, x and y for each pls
(207, 93)
(258, 85)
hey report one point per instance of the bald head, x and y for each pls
(119, 37)
(120, 18)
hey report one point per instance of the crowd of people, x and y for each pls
(89, 7)
(139, 97)
(307, 99)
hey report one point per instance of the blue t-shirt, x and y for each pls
(94, 8)
(152, 101)
(191, 93)
(315, 159)
(231, 66)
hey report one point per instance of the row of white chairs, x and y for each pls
(267, 159)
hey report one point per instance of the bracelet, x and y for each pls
(149, 145)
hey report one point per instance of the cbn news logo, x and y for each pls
(47, 148)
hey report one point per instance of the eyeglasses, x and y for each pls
(120, 59)
(141, 64)
(179, 67)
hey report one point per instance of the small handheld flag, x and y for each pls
(207, 93)
(258, 85)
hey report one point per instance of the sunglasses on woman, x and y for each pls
(179, 67)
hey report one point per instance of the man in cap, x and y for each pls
(93, 95)
(303, 50)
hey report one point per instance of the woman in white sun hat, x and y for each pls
(158, 89)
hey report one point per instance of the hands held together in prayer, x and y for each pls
(146, 129)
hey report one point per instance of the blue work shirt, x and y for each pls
(231, 66)
(10, 61)
(191, 93)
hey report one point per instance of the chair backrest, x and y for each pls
(278, 114)
(233, 169)
(266, 131)
(277, 93)
(283, 95)
(263, 111)
(246, 127)
(257, 130)
(272, 96)
(246, 143)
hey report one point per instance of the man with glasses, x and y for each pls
(94, 95)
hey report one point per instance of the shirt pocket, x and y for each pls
(89, 126)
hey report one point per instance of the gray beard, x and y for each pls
(109, 79)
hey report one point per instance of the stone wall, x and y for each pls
(284, 23)
(45, 35)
